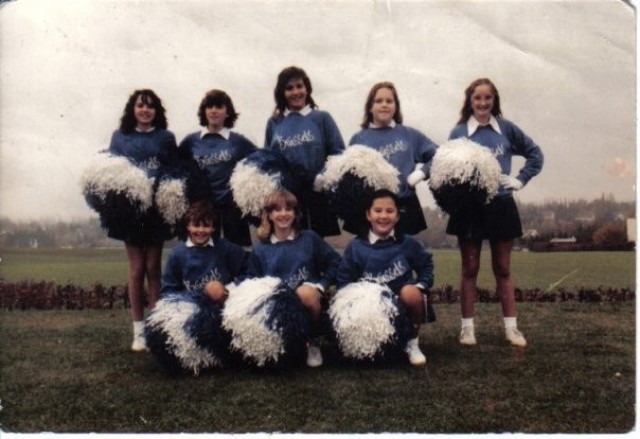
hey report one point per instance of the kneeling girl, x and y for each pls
(389, 258)
(300, 258)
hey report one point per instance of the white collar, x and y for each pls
(274, 240)
(373, 238)
(224, 132)
(145, 131)
(373, 126)
(304, 112)
(473, 125)
(190, 243)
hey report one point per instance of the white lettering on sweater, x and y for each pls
(498, 151)
(213, 159)
(392, 148)
(213, 275)
(396, 271)
(298, 278)
(149, 164)
(295, 140)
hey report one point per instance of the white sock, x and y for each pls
(138, 327)
(510, 322)
(467, 322)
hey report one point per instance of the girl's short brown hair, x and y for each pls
(200, 212)
(217, 98)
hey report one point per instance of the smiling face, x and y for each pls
(295, 94)
(144, 113)
(200, 232)
(383, 216)
(282, 218)
(216, 115)
(482, 100)
(383, 107)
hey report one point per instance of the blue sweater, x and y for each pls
(390, 263)
(217, 156)
(148, 151)
(307, 258)
(191, 268)
(305, 141)
(401, 146)
(512, 142)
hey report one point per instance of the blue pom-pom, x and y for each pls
(350, 178)
(290, 319)
(369, 323)
(184, 332)
(464, 176)
(257, 176)
(269, 325)
(176, 187)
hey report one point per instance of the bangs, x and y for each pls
(215, 100)
(202, 218)
(148, 99)
(276, 199)
(200, 212)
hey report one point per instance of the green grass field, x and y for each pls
(72, 371)
(530, 270)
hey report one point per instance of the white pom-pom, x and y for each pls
(245, 315)
(170, 316)
(171, 199)
(361, 316)
(109, 173)
(465, 161)
(362, 161)
(251, 186)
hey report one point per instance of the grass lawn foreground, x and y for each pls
(72, 372)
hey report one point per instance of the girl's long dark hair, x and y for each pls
(467, 111)
(128, 121)
(284, 77)
(368, 118)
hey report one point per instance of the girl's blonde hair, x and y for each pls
(271, 203)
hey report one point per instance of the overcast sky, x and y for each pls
(565, 71)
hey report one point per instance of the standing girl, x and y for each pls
(499, 221)
(401, 146)
(300, 258)
(305, 136)
(144, 140)
(216, 149)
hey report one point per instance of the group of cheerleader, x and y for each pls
(266, 304)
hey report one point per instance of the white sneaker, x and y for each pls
(515, 337)
(314, 356)
(467, 336)
(416, 357)
(139, 344)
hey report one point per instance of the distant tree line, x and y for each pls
(588, 225)
(582, 219)
(594, 224)
(49, 233)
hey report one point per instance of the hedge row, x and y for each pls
(49, 295)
